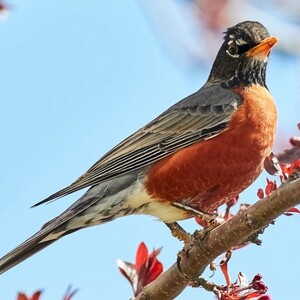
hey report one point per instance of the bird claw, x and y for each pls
(213, 223)
(179, 233)
(199, 235)
(184, 254)
(193, 281)
(189, 240)
(213, 268)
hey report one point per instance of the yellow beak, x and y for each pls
(264, 47)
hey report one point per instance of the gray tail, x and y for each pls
(100, 204)
(49, 233)
(22, 252)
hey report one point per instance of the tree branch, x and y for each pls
(199, 253)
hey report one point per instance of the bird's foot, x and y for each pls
(206, 218)
(214, 222)
(199, 235)
(183, 255)
(178, 232)
(188, 239)
(211, 221)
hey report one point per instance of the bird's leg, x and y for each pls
(183, 236)
(214, 223)
(184, 254)
(178, 232)
(210, 220)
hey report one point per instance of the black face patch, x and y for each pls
(232, 66)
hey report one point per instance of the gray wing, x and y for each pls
(200, 116)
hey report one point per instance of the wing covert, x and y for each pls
(200, 116)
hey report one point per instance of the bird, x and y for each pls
(194, 157)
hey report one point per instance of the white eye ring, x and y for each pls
(232, 50)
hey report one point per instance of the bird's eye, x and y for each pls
(233, 50)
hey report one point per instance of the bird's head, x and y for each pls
(243, 56)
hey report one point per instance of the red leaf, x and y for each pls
(264, 297)
(288, 169)
(129, 272)
(146, 268)
(22, 296)
(154, 271)
(257, 277)
(294, 210)
(271, 186)
(150, 270)
(260, 193)
(224, 269)
(243, 290)
(258, 285)
(141, 256)
(35, 296)
(251, 295)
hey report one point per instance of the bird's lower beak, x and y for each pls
(264, 47)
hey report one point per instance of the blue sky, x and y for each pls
(77, 77)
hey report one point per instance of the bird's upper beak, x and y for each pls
(263, 48)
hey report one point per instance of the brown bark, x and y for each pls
(236, 231)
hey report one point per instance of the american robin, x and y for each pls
(193, 157)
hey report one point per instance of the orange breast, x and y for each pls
(208, 173)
